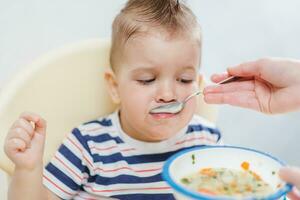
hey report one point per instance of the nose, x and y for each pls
(166, 93)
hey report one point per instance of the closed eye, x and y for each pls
(185, 81)
(146, 81)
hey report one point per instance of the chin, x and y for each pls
(163, 133)
(159, 138)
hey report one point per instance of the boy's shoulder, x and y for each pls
(103, 124)
(197, 119)
(199, 124)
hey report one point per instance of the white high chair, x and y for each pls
(66, 87)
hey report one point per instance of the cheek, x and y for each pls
(192, 103)
(135, 99)
(186, 90)
(192, 106)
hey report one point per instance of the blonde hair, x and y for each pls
(138, 15)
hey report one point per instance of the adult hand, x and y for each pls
(274, 87)
(292, 175)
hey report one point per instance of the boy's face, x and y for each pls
(155, 70)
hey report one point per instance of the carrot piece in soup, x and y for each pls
(256, 176)
(206, 191)
(208, 172)
(245, 165)
(233, 184)
(248, 188)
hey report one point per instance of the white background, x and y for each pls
(234, 31)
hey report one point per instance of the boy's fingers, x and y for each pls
(230, 87)
(40, 123)
(15, 144)
(22, 123)
(41, 126)
(29, 116)
(20, 134)
(290, 175)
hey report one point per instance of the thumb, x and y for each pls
(41, 126)
(252, 68)
(40, 135)
(38, 123)
(290, 175)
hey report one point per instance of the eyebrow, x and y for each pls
(152, 69)
(189, 68)
(143, 69)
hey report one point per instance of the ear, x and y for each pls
(112, 84)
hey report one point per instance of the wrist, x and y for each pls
(36, 169)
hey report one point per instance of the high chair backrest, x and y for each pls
(66, 87)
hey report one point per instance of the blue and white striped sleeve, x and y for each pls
(69, 168)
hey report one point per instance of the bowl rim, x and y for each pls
(167, 177)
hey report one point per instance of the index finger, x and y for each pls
(39, 122)
(30, 116)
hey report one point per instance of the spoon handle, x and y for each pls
(192, 95)
(227, 80)
(234, 78)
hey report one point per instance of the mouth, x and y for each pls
(172, 108)
(163, 115)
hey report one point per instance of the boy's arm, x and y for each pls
(27, 184)
(24, 145)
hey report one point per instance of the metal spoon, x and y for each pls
(176, 107)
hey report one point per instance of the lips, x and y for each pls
(162, 115)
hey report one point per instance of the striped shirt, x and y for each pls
(98, 160)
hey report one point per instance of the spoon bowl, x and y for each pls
(174, 107)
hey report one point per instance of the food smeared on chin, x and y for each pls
(237, 183)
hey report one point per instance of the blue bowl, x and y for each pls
(190, 161)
